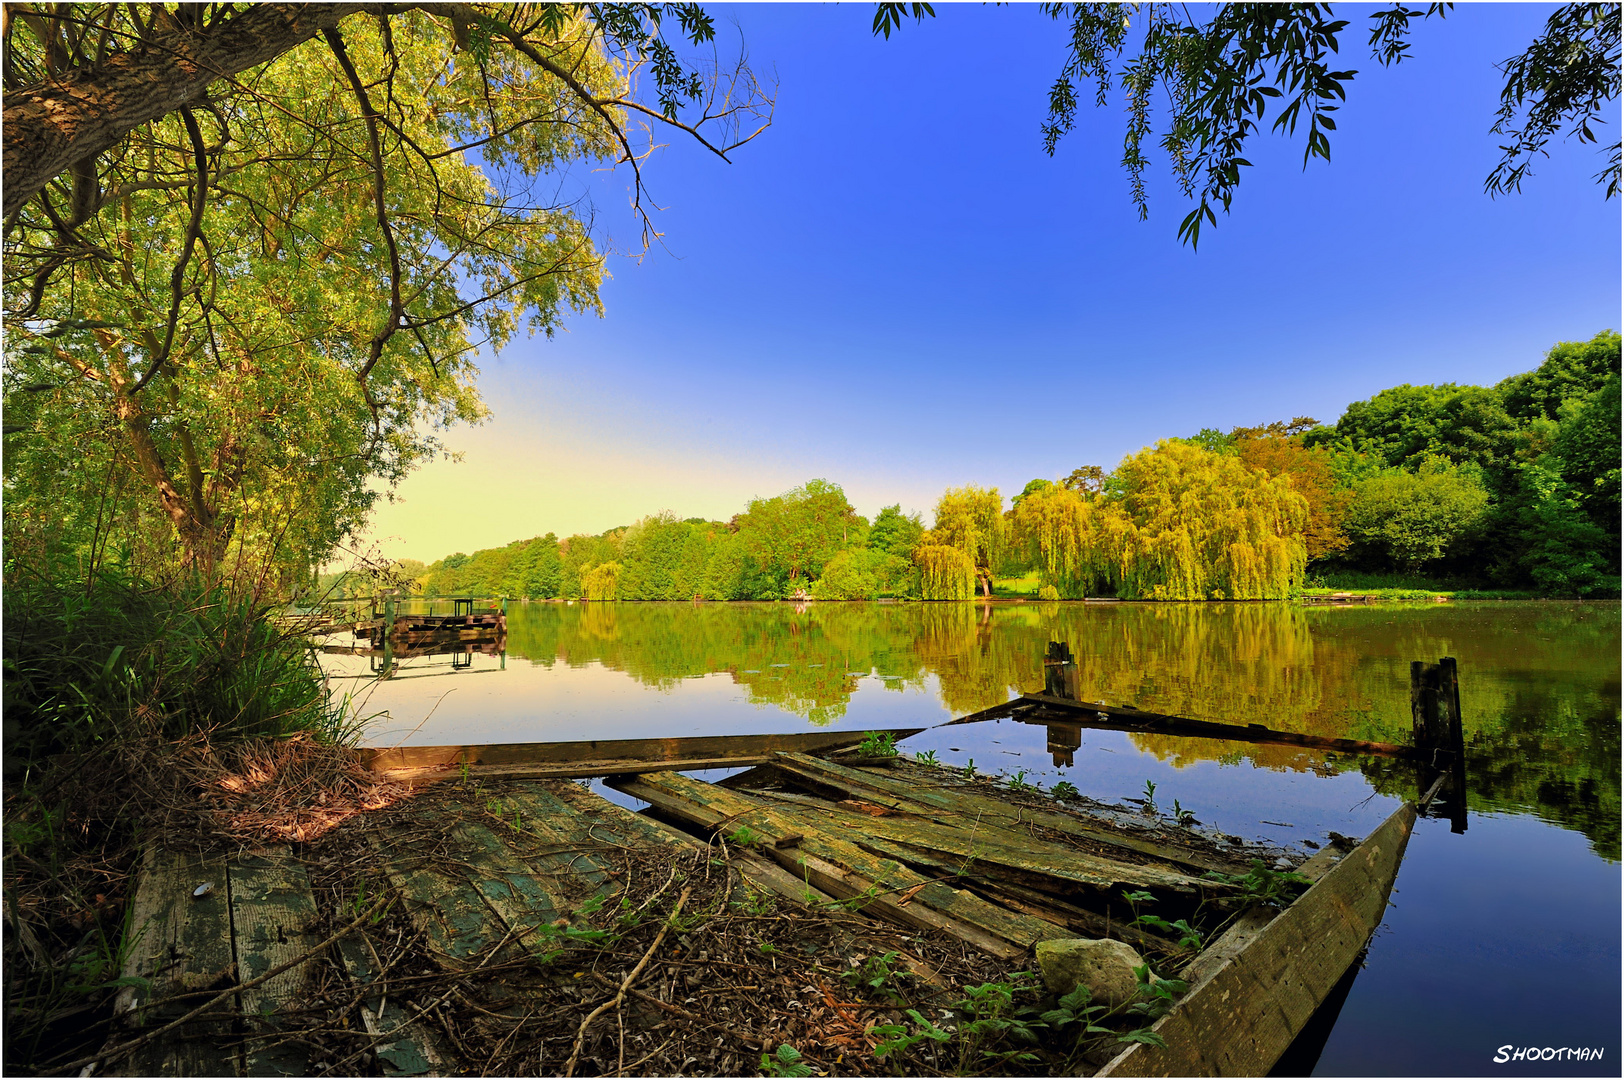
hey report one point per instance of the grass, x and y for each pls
(1016, 588)
(125, 702)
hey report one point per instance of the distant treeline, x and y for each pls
(1514, 485)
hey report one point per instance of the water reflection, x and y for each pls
(1540, 681)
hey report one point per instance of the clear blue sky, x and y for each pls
(896, 289)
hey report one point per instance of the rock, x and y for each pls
(1104, 966)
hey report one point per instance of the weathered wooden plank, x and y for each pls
(977, 842)
(960, 803)
(449, 912)
(512, 889)
(1240, 1016)
(843, 869)
(633, 754)
(1121, 718)
(180, 944)
(273, 913)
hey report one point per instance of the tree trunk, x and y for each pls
(81, 113)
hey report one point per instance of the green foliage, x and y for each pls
(1572, 369)
(895, 533)
(1417, 518)
(896, 1040)
(1263, 885)
(1065, 789)
(1176, 523)
(785, 1062)
(878, 744)
(1404, 426)
(601, 582)
(1048, 592)
(1588, 450)
(1566, 553)
(796, 533)
(876, 977)
(862, 574)
(117, 658)
(945, 573)
(1018, 784)
(971, 520)
(927, 757)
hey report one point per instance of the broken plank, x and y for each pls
(634, 755)
(511, 888)
(273, 914)
(1240, 1016)
(180, 944)
(843, 869)
(965, 803)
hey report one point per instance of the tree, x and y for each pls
(1415, 518)
(794, 534)
(1219, 74)
(971, 519)
(1572, 369)
(1588, 449)
(1176, 522)
(1405, 425)
(1277, 450)
(282, 232)
(894, 532)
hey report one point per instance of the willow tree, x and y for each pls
(1180, 523)
(1208, 527)
(237, 314)
(1080, 543)
(971, 519)
(945, 573)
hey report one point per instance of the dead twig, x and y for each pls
(620, 995)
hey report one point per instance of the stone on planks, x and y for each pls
(1104, 966)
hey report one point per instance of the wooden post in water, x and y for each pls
(388, 634)
(1436, 726)
(1060, 677)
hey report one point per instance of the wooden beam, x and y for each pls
(604, 757)
(1239, 1016)
(1089, 714)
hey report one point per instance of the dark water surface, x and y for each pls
(1508, 935)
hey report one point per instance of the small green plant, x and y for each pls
(970, 769)
(876, 977)
(1188, 936)
(767, 948)
(896, 1040)
(1158, 995)
(785, 1062)
(1018, 782)
(927, 757)
(1065, 789)
(878, 744)
(1182, 817)
(744, 836)
(1150, 798)
(1263, 885)
(991, 1019)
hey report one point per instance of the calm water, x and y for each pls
(1506, 935)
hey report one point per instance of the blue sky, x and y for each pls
(896, 289)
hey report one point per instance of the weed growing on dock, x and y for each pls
(1182, 817)
(896, 1040)
(876, 977)
(744, 836)
(970, 769)
(1017, 783)
(878, 744)
(1263, 884)
(1065, 789)
(927, 757)
(1150, 798)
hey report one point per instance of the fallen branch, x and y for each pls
(620, 995)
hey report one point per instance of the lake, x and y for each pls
(1506, 935)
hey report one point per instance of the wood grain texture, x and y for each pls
(273, 913)
(1242, 1013)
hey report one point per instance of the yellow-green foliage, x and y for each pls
(602, 582)
(971, 519)
(1183, 524)
(945, 573)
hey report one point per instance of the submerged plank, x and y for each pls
(961, 804)
(634, 755)
(180, 944)
(273, 913)
(1241, 1014)
(1094, 714)
(841, 868)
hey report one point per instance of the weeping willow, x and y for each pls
(1183, 524)
(602, 582)
(945, 573)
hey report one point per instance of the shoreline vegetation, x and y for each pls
(1510, 491)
